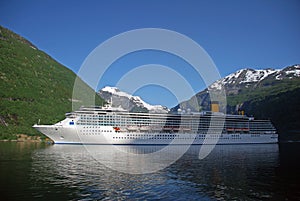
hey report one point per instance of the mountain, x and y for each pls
(247, 84)
(33, 86)
(250, 78)
(268, 94)
(129, 102)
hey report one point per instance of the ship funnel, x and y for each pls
(215, 106)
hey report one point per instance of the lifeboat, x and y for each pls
(167, 128)
(132, 128)
(117, 129)
(144, 128)
(156, 128)
(186, 129)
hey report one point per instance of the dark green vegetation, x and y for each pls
(277, 100)
(282, 107)
(33, 86)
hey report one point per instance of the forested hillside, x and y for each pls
(33, 87)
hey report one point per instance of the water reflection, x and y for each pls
(238, 172)
(229, 172)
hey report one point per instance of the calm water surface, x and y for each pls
(30, 171)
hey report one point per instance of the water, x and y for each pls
(30, 171)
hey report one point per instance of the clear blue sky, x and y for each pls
(236, 34)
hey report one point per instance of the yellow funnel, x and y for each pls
(215, 106)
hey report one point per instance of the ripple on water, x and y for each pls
(229, 173)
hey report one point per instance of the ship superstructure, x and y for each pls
(114, 125)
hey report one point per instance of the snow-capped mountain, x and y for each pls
(246, 84)
(251, 78)
(129, 102)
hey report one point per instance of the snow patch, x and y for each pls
(296, 72)
(257, 75)
(117, 92)
(249, 76)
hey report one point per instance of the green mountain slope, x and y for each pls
(268, 87)
(281, 107)
(277, 100)
(33, 86)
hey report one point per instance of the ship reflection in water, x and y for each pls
(241, 172)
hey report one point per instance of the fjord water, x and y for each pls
(34, 171)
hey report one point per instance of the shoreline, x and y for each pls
(28, 138)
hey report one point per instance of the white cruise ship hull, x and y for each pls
(71, 134)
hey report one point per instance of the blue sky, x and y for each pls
(236, 34)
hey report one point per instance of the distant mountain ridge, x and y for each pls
(251, 78)
(249, 81)
(129, 102)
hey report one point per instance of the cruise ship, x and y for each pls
(114, 125)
